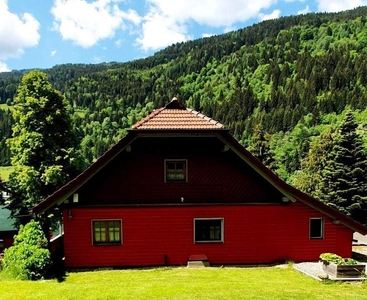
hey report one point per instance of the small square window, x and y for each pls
(175, 170)
(106, 232)
(316, 228)
(208, 230)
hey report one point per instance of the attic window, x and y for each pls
(175, 170)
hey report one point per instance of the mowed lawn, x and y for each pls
(184, 283)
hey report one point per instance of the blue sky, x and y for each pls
(44, 33)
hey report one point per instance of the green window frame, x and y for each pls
(107, 232)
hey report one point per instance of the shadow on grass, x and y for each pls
(59, 270)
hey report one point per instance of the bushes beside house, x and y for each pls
(29, 258)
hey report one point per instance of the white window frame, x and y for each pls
(322, 229)
(106, 243)
(209, 241)
(175, 160)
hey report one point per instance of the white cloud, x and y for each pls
(16, 32)
(132, 16)
(339, 5)
(159, 31)
(216, 13)
(4, 67)
(205, 35)
(167, 21)
(228, 29)
(304, 11)
(86, 23)
(97, 59)
(274, 15)
(118, 43)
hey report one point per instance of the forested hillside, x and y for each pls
(281, 82)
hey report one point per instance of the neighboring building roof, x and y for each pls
(6, 223)
(157, 121)
(176, 116)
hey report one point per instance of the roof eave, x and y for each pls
(179, 130)
(68, 189)
(289, 190)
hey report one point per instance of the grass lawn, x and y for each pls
(184, 283)
(5, 171)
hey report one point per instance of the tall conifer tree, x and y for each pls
(344, 184)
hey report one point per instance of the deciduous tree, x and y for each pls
(309, 177)
(43, 145)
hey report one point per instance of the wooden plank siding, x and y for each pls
(164, 235)
(8, 239)
(157, 227)
(214, 177)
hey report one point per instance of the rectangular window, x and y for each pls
(175, 170)
(316, 228)
(208, 230)
(106, 232)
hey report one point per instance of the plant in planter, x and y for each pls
(328, 258)
(339, 267)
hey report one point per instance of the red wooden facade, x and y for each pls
(7, 240)
(262, 219)
(165, 235)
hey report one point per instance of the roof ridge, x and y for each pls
(204, 117)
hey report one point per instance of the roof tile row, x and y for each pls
(165, 118)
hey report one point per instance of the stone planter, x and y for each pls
(344, 271)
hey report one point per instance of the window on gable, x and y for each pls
(106, 232)
(208, 230)
(316, 228)
(175, 170)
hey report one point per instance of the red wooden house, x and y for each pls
(178, 184)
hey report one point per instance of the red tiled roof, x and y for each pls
(175, 116)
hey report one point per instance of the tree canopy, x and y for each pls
(43, 145)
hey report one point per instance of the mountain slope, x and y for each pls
(289, 75)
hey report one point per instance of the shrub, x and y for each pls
(328, 258)
(29, 258)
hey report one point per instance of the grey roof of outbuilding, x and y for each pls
(6, 223)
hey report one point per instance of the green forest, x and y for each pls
(280, 86)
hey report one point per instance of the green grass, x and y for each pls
(184, 283)
(5, 171)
